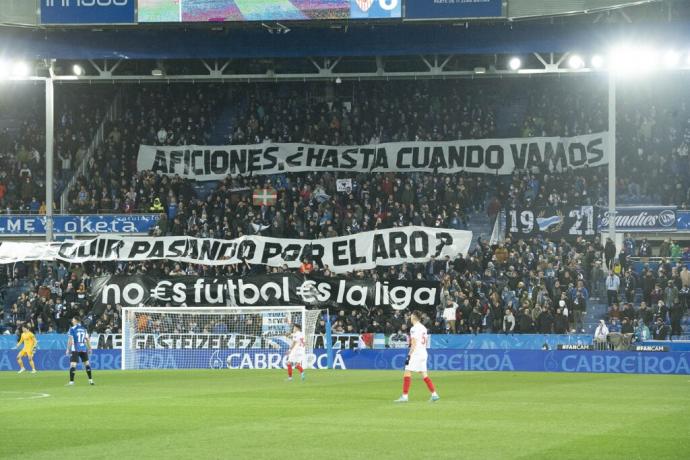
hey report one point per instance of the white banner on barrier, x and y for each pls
(343, 254)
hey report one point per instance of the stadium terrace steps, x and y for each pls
(596, 310)
(480, 225)
(223, 125)
(511, 116)
(113, 107)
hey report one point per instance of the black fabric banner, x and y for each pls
(552, 222)
(262, 290)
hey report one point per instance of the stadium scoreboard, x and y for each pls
(105, 12)
(271, 10)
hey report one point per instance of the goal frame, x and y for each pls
(126, 311)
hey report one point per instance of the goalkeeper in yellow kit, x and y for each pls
(30, 342)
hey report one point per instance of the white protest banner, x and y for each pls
(343, 254)
(488, 156)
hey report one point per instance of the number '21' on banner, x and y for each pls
(552, 222)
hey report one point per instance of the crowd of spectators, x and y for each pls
(661, 293)
(373, 112)
(653, 132)
(22, 141)
(22, 169)
(518, 286)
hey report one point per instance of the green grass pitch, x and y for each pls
(255, 414)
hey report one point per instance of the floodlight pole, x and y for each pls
(612, 154)
(50, 126)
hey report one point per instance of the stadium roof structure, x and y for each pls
(373, 51)
(388, 40)
(317, 50)
(340, 50)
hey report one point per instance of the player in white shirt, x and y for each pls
(297, 352)
(416, 358)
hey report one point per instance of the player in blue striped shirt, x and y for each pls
(79, 345)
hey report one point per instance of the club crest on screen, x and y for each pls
(364, 5)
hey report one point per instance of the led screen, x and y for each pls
(265, 10)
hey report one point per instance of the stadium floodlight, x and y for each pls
(575, 62)
(4, 69)
(157, 72)
(629, 60)
(20, 69)
(77, 70)
(622, 60)
(671, 59)
(338, 81)
(649, 59)
(515, 63)
(597, 61)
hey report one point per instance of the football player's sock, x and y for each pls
(21, 364)
(88, 371)
(71, 374)
(429, 384)
(299, 368)
(407, 381)
(31, 363)
(290, 370)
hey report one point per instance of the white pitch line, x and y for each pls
(33, 395)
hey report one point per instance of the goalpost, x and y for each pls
(213, 337)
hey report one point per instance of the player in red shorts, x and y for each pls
(416, 359)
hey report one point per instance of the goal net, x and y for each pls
(220, 337)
